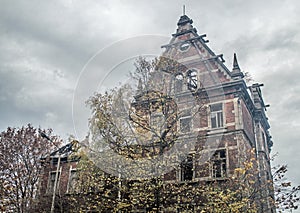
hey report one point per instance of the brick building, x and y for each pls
(233, 120)
(225, 120)
(61, 166)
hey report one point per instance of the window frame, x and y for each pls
(70, 188)
(187, 169)
(50, 184)
(190, 124)
(185, 46)
(218, 115)
(178, 83)
(220, 167)
(192, 79)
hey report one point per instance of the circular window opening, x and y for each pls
(185, 46)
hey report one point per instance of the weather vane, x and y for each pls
(183, 9)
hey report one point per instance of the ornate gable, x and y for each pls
(190, 49)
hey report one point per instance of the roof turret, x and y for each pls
(236, 71)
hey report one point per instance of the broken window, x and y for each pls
(192, 80)
(187, 169)
(72, 181)
(185, 124)
(218, 164)
(51, 182)
(216, 115)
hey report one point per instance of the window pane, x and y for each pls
(213, 120)
(216, 115)
(178, 85)
(220, 119)
(216, 107)
(52, 182)
(187, 169)
(185, 124)
(222, 154)
(72, 181)
(184, 46)
(192, 79)
(218, 162)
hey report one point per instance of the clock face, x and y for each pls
(185, 46)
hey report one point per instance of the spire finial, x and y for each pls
(236, 71)
(184, 19)
(235, 63)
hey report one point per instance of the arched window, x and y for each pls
(192, 80)
(178, 82)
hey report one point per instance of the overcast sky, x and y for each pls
(46, 44)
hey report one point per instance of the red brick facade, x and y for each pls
(238, 127)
